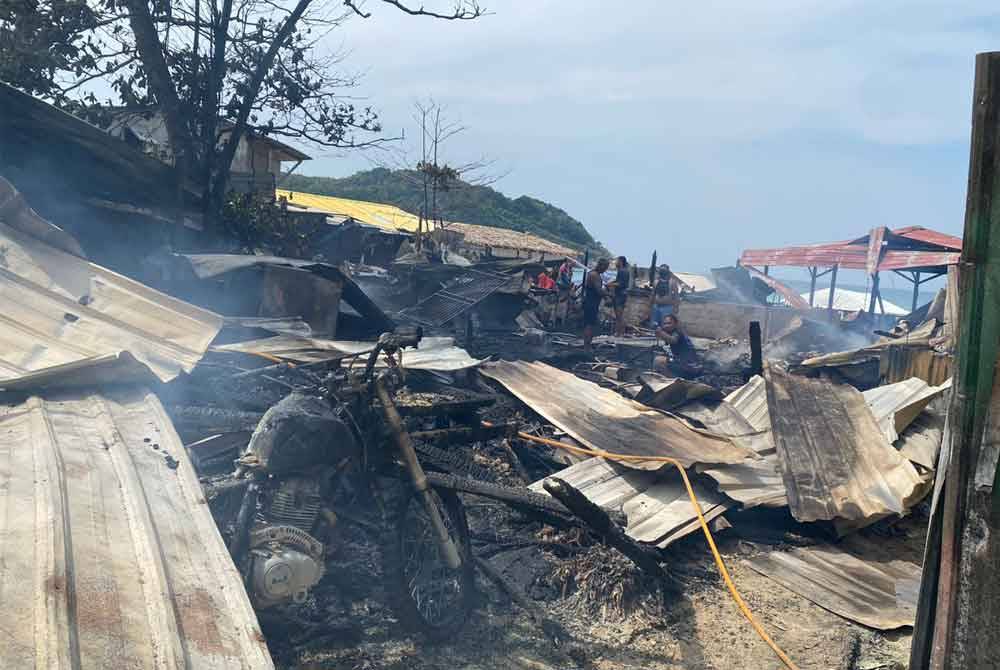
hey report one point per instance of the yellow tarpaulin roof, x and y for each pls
(394, 218)
(373, 213)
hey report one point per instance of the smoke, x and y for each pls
(808, 337)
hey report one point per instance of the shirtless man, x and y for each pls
(593, 294)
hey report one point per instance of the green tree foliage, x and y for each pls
(460, 202)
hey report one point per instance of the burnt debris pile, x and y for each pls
(451, 461)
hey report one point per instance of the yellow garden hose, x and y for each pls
(701, 520)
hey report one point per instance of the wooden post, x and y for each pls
(756, 350)
(833, 287)
(960, 593)
(767, 270)
(812, 285)
(871, 305)
(916, 291)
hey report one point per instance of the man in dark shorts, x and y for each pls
(593, 293)
(620, 286)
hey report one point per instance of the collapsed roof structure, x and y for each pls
(914, 253)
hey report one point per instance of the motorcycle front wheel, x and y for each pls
(428, 596)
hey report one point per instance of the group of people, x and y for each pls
(663, 309)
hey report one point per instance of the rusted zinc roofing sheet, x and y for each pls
(790, 295)
(110, 555)
(601, 419)
(895, 406)
(881, 249)
(433, 353)
(850, 257)
(656, 504)
(59, 309)
(880, 594)
(929, 236)
(834, 459)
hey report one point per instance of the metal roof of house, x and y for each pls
(911, 248)
(110, 555)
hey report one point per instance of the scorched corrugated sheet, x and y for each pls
(59, 309)
(111, 558)
(601, 419)
(835, 460)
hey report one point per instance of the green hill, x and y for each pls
(463, 202)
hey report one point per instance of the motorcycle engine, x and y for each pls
(286, 560)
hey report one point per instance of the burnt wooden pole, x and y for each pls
(916, 291)
(833, 287)
(960, 594)
(812, 285)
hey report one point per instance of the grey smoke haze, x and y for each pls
(698, 128)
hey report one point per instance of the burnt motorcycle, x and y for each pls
(325, 452)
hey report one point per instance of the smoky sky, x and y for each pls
(696, 129)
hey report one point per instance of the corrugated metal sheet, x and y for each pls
(789, 294)
(656, 504)
(60, 309)
(835, 461)
(755, 481)
(895, 406)
(750, 400)
(901, 362)
(854, 258)
(879, 250)
(601, 419)
(921, 441)
(110, 555)
(880, 594)
(929, 236)
(433, 353)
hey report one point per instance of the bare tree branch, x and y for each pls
(465, 10)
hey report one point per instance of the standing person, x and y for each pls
(684, 357)
(666, 296)
(593, 293)
(620, 297)
(564, 280)
(564, 285)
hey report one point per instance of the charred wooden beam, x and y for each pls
(600, 522)
(466, 434)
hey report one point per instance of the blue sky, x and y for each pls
(698, 129)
